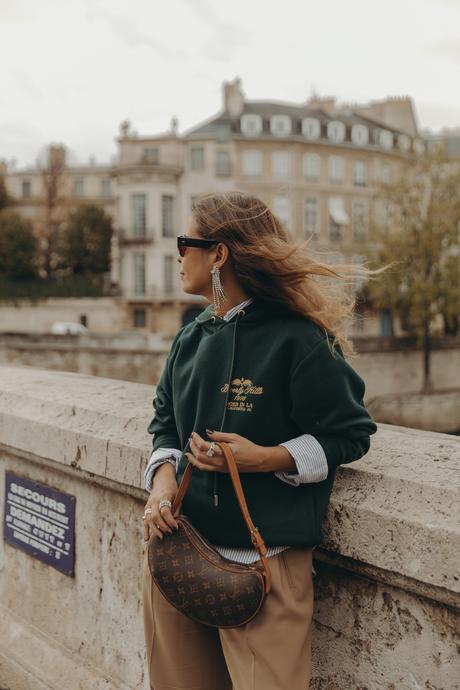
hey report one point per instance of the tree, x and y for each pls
(422, 240)
(85, 240)
(52, 173)
(18, 247)
(4, 196)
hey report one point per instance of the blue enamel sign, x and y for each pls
(40, 520)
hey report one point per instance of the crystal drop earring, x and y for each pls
(218, 293)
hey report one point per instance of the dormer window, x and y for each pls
(311, 128)
(280, 125)
(386, 139)
(336, 131)
(404, 142)
(251, 125)
(360, 135)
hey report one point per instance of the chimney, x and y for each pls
(233, 97)
(57, 156)
(326, 103)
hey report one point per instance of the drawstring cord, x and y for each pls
(216, 474)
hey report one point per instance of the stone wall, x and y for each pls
(140, 358)
(391, 366)
(131, 360)
(386, 589)
(103, 314)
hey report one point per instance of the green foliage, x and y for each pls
(4, 196)
(18, 247)
(80, 257)
(37, 289)
(84, 241)
(422, 242)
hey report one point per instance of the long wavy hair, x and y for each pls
(271, 264)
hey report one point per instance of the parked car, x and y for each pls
(68, 328)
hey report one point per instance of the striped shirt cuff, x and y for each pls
(310, 460)
(158, 457)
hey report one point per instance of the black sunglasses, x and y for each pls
(183, 242)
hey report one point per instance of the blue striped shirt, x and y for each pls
(308, 455)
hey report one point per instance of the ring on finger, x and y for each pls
(210, 452)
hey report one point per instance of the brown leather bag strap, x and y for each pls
(183, 486)
(254, 533)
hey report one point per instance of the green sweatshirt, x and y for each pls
(269, 375)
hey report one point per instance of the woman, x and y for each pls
(263, 369)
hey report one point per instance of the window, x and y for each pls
(337, 217)
(168, 274)
(311, 217)
(139, 320)
(223, 163)
(151, 154)
(280, 125)
(26, 189)
(167, 215)
(281, 165)
(138, 206)
(360, 174)
(419, 146)
(336, 169)
(311, 128)
(336, 131)
(404, 142)
(359, 135)
(281, 209)
(360, 215)
(197, 158)
(251, 124)
(105, 187)
(311, 166)
(386, 174)
(335, 231)
(252, 163)
(139, 273)
(386, 139)
(78, 186)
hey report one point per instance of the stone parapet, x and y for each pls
(140, 358)
(387, 586)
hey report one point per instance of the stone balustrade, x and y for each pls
(387, 583)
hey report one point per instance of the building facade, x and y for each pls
(318, 165)
(75, 185)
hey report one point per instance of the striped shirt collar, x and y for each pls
(231, 312)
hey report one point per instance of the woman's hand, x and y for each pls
(164, 488)
(249, 456)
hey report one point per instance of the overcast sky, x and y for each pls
(73, 69)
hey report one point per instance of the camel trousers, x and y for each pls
(271, 652)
